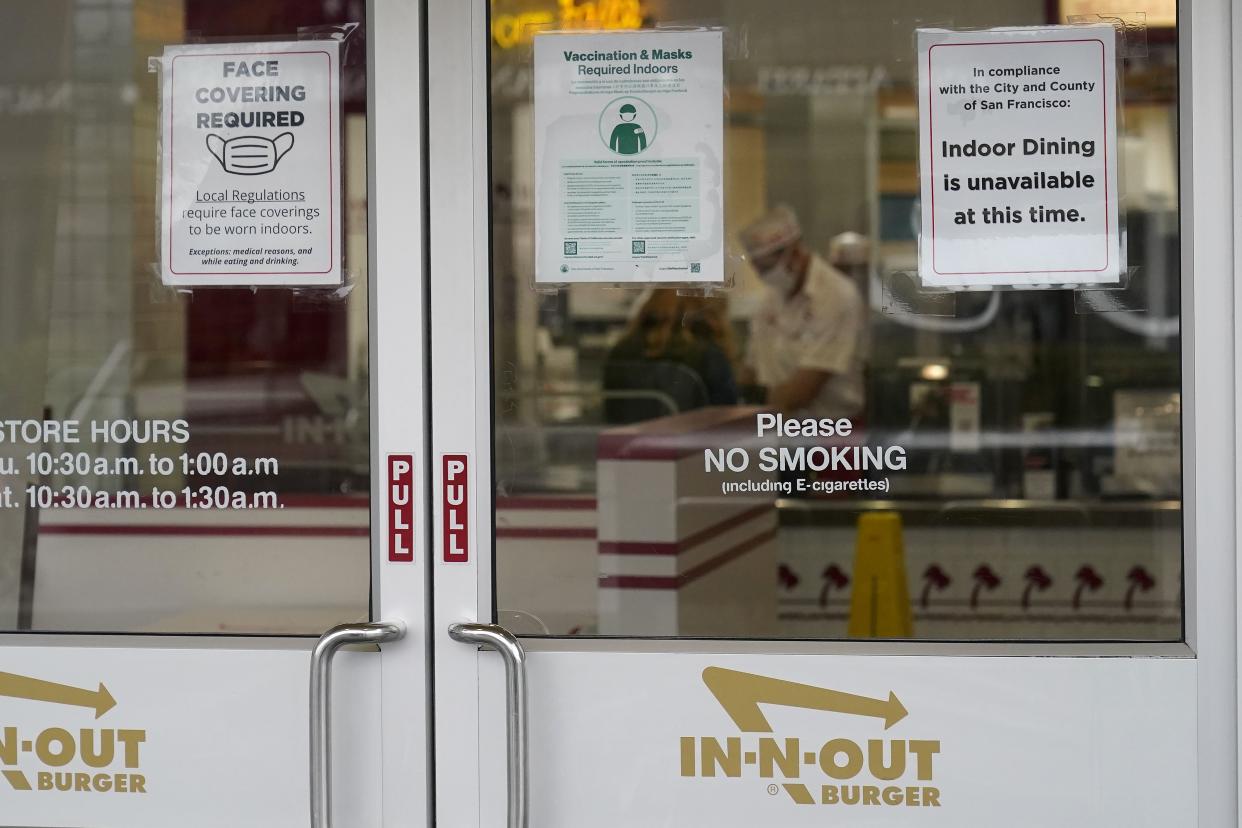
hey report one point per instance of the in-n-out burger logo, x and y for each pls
(827, 771)
(69, 759)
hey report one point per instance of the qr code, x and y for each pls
(695, 267)
(571, 248)
(638, 246)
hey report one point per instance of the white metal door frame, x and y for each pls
(399, 410)
(460, 325)
(1209, 410)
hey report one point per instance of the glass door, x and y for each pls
(199, 478)
(817, 544)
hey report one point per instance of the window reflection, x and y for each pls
(264, 392)
(1039, 493)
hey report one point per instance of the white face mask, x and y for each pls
(249, 154)
(780, 277)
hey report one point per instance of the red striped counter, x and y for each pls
(676, 555)
(545, 563)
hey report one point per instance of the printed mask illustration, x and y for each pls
(249, 154)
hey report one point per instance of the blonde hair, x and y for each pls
(667, 319)
(713, 312)
(658, 322)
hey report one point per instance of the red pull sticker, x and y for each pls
(401, 508)
(456, 508)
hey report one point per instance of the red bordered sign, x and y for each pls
(401, 508)
(456, 503)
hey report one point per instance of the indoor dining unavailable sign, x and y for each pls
(1018, 157)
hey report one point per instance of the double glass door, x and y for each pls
(517, 494)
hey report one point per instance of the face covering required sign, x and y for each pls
(250, 164)
(628, 151)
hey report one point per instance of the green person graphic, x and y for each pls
(628, 138)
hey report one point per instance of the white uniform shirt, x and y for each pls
(822, 328)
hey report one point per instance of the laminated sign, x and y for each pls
(1018, 167)
(250, 164)
(628, 157)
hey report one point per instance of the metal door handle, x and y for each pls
(494, 637)
(321, 707)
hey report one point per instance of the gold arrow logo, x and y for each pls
(23, 687)
(740, 694)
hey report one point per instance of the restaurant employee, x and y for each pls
(808, 340)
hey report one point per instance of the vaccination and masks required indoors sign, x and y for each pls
(250, 164)
(1018, 137)
(629, 154)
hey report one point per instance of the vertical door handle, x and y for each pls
(494, 637)
(321, 706)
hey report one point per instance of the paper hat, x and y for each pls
(774, 230)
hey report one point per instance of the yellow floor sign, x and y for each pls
(880, 601)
